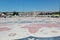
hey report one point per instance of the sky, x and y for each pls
(29, 5)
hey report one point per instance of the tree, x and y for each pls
(4, 14)
(15, 13)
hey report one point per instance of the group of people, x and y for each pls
(5, 14)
